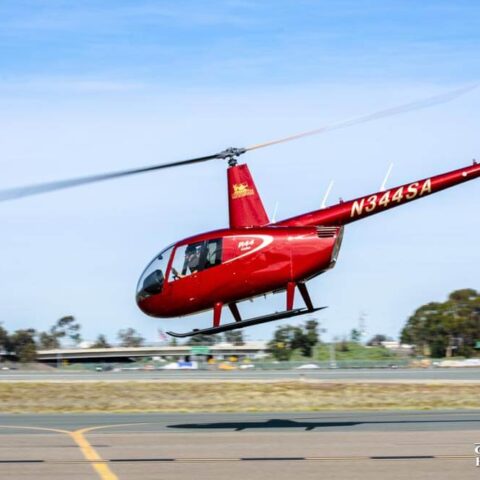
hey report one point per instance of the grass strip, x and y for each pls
(288, 396)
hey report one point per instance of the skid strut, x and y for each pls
(239, 323)
(246, 323)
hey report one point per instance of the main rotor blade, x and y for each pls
(389, 112)
(231, 153)
(28, 190)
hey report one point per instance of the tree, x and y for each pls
(282, 344)
(377, 340)
(129, 337)
(235, 337)
(48, 340)
(441, 328)
(287, 339)
(68, 327)
(311, 329)
(101, 342)
(355, 335)
(23, 344)
(64, 327)
(342, 346)
(4, 340)
(306, 337)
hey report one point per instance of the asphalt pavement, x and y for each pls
(401, 374)
(355, 445)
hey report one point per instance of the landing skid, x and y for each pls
(246, 323)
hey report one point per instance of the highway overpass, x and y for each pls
(128, 354)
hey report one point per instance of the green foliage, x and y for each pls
(64, 327)
(48, 340)
(287, 339)
(281, 344)
(343, 346)
(441, 329)
(377, 340)
(345, 350)
(69, 327)
(235, 337)
(129, 337)
(22, 342)
(4, 339)
(355, 335)
(310, 337)
(101, 342)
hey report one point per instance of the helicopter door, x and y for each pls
(239, 246)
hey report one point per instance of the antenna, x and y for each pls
(384, 183)
(327, 193)
(274, 216)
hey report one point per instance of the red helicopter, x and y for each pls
(255, 256)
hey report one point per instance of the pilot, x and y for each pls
(192, 262)
(193, 259)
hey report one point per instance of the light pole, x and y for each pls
(333, 361)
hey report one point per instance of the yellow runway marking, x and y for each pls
(90, 454)
(101, 466)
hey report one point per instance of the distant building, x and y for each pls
(397, 347)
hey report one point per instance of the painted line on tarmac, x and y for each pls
(103, 462)
(100, 465)
(289, 459)
(22, 461)
(90, 454)
(97, 462)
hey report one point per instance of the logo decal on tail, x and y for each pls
(241, 190)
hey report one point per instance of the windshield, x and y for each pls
(152, 279)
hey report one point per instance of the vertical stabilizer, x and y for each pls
(244, 203)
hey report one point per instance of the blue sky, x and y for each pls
(237, 43)
(87, 87)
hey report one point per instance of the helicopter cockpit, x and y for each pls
(189, 258)
(152, 279)
(196, 257)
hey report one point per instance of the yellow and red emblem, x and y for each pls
(241, 190)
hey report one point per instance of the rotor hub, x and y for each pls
(231, 155)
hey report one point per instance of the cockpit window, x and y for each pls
(213, 253)
(195, 257)
(152, 279)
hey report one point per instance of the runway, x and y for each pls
(373, 445)
(404, 374)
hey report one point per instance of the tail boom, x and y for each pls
(359, 208)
